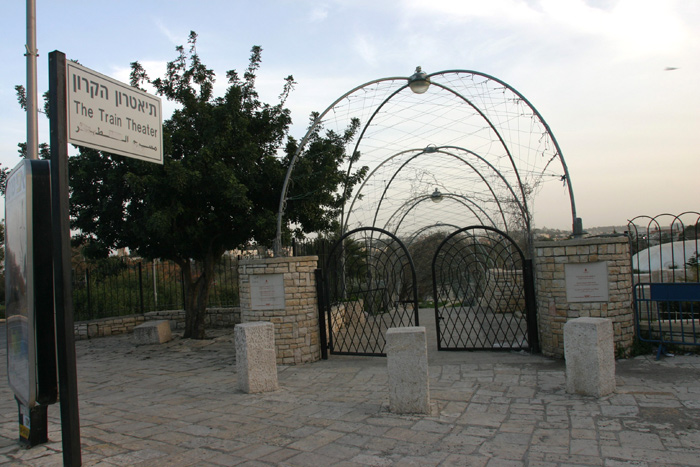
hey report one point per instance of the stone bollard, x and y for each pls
(590, 356)
(256, 363)
(407, 364)
(153, 332)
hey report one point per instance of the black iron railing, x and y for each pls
(119, 286)
(666, 278)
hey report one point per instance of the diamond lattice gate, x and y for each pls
(369, 286)
(483, 291)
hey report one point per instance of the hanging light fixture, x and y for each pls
(419, 82)
(436, 197)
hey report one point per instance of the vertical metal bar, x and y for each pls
(102, 278)
(182, 283)
(65, 338)
(320, 298)
(89, 299)
(110, 291)
(141, 288)
(531, 305)
(155, 285)
(438, 317)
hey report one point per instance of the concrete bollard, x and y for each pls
(407, 364)
(256, 362)
(153, 332)
(590, 356)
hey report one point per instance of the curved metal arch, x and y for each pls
(481, 227)
(318, 119)
(438, 149)
(541, 119)
(302, 144)
(647, 233)
(469, 102)
(369, 176)
(386, 188)
(523, 209)
(500, 138)
(675, 217)
(423, 229)
(283, 198)
(420, 199)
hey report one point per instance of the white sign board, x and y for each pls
(110, 116)
(267, 292)
(587, 282)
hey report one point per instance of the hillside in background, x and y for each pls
(558, 234)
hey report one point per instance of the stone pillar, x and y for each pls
(256, 365)
(553, 307)
(590, 356)
(407, 364)
(282, 291)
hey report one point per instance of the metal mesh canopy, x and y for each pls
(469, 151)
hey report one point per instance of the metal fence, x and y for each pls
(666, 276)
(119, 286)
(312, 247)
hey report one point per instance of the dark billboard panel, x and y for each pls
(31, 348)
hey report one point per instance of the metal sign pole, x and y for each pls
(31, 53)
(63, 303)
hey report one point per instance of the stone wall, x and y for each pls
(504, 291)
(216, 318)
(297, 337)
(554, 310)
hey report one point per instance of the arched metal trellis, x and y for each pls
(482, 139)
(499, 190)
(393, 224)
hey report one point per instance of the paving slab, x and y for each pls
(178, 403)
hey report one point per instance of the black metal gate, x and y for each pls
(483, 290)
(368, 285)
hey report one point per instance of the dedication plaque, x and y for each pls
(267, 292)
(587, 282)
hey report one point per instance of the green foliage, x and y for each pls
(317, 173)
(422, 251)
(219, 185)
(122, 286)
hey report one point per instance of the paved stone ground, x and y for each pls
(177, 404)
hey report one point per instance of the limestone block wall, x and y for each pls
(297, 337)
(502, 291)
(346, 314)
(215, 318)
(554, 310)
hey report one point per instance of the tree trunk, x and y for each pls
(196, 297)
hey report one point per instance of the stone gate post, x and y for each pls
(283, 291)
(589, 277)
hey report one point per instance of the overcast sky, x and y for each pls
(618, 82)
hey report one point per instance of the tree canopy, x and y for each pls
(225, 159)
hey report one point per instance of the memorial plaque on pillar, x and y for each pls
(267, 292)
(587, 282)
